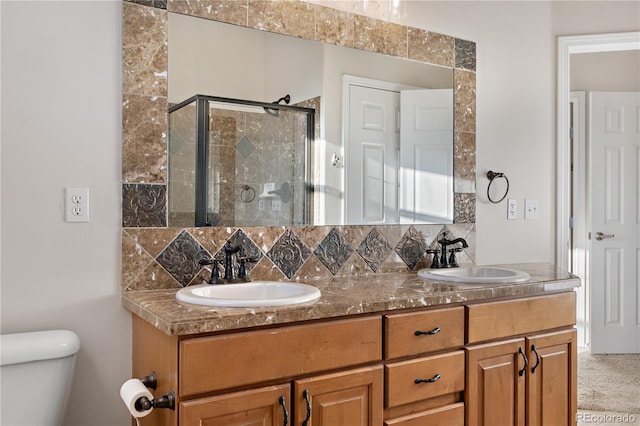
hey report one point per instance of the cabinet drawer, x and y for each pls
(496, 320)
(449, 415)
(401, 378)
(231, 360)
(438, 329)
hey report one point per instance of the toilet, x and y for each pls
(36, 371)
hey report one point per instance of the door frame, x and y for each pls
(573, 187)
(347, 81)
(567, 46)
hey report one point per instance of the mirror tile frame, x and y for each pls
(150, 254)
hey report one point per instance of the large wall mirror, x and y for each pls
(362, 137)
(376, 65)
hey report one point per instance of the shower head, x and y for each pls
(276, 112)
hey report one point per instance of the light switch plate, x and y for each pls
(512, 209)
(531, 208)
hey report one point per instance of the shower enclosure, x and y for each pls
(235, 162)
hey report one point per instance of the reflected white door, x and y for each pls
(371, 161)
(426, 156)
(614, 140)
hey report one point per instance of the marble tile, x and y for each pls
(464, 160)
(289, 17)
(144, 139)
(334, 26)
(430, 47)
(134, 259)
(153, 277)
(464, 88)
(380, 36)
(230, 11)
(144, 50)
(152, 240)
(312, 269)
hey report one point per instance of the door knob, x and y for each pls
(600, 236)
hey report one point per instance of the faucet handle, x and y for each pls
(435, 262)
(215, 271)
(453, 261)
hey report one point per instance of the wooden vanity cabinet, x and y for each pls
(527, 380)
(460, 365)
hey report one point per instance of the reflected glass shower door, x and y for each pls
(251, 163)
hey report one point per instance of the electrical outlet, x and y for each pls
(276, 205)
(76, 202)
(530, 209)
(512, 209)
(261, 204)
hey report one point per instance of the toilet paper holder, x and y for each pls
(164, 401)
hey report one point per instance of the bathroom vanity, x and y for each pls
(389, 349)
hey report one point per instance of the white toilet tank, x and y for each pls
(35, 375)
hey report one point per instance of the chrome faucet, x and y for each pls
(442, 261)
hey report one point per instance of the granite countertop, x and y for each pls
(341, 296)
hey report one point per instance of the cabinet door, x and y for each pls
(259, 407)
(495, 388)
(349, 398)
(552, 379)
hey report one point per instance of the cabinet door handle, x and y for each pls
(526, 362)
(431, 380)
(533, 369)
(284, 411)
(305, 394)
(428, 333)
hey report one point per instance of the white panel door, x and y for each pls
(426, 156)
(614, 140)
(371, 161)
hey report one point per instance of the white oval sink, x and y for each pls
(251, 294)
(475, 274)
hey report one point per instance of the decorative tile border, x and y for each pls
(170, 257)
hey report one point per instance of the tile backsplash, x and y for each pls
(169, 257)
(156, 256)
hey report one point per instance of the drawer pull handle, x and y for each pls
(526, 362)
(284, 410)
(427, 333)
(305, 393)
(431, 380)
(533, 369)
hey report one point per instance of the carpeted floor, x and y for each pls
(609, 382)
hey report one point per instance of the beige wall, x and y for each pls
(606, 71)
(61, 93)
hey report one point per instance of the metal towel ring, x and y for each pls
(491, 175)
(245, 190)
